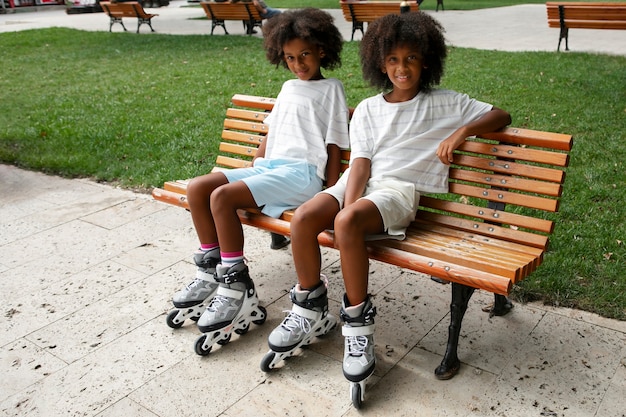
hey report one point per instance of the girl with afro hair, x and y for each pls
(402, 142)
(307, 127)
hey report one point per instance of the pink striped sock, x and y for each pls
(231, 258)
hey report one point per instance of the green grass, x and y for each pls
(139, 110)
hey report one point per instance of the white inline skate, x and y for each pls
(359, 359)
(234, 306)
(308, 318)
(192, 300)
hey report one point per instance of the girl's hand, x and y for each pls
(445, 151)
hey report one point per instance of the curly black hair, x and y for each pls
(310, 24)
(417, 29)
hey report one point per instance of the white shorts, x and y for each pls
(278, 184)
(396, 201)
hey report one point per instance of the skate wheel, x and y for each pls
(224, 341)
(266, 362)
(243, 330)
(199, 346)
(170, 320)
(261, 319)
(356, 394)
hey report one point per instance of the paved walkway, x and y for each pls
(515, 28)
(86, 276)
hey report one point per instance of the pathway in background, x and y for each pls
(515, 28)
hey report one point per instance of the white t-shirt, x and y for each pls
(308, 116)
(401, 139)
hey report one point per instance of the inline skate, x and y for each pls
(192, 300)
(308, 318)
(359, 359)
(233, 307)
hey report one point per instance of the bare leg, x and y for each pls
(352, 225)
(310, 219)
(225, 201)
(199, 192)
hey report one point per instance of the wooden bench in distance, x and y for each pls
(132, 9)
(566, 15)
(489, 232)
(220, 12)
(361, 12)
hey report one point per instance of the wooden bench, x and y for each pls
(220, 12)
(361, 12)
(566, 15)
(490, 232)
(117, 11)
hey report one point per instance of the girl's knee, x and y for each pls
(346, 222)
(302, 220)
(194, 190)
(219, 196)
(201, 188)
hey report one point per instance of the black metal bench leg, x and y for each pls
(279, 241)
(356, 25)
(450, 364)
(564, 32)
(116, 20)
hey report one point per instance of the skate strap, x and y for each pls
(357, 331)
(307, 314)
(204, 276)
(227, 292)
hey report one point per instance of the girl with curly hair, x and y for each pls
(307, 127)
(402, 141)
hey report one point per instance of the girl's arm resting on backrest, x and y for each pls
(491, 121)
(333, 164)
(360, 170)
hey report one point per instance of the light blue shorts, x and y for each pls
(278, 184)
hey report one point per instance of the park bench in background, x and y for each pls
(361, 12)
(220, 12)
(117, 11)
(489, 232)
(566, 15)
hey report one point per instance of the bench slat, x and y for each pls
(507, 197)
(488, 215)
(242, 137)
(241, 150)
(251, 115)
(507, 167)
(230, 162)
(508, 182)
(589, 24)
(261, 103)
(257, 127)
(528, 137)
(515, 152)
